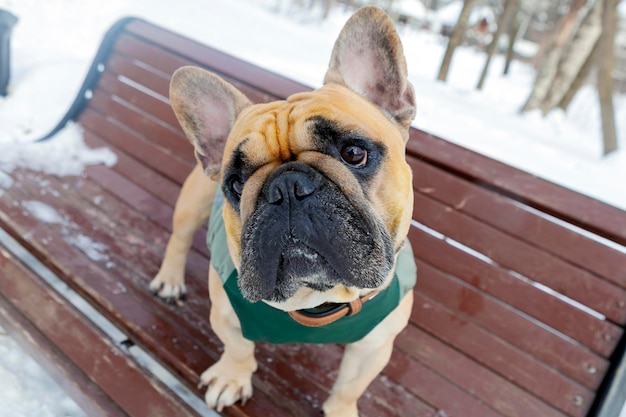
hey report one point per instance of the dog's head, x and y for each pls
(318, 192)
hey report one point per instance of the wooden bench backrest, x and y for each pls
(520, 302)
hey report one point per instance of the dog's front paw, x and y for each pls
(228, 382)
(337, 408)
(168, 286)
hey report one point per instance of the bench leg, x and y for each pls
(229, 379)
(191, 212)
(364, 360)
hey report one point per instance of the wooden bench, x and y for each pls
(520, 304)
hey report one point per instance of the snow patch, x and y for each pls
(95, 251)
(33, 393)
(43, 212)
(64, 154)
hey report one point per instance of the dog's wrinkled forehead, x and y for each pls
(281, 131)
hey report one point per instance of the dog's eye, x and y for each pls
(354, 155)
(236, 185)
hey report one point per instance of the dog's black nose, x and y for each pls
(290, 185)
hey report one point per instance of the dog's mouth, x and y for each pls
(306, 267)
(280, 275)
(318, 242)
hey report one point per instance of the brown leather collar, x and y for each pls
(330, 312)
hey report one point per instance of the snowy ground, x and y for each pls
(55, 40)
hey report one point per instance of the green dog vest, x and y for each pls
(264, 323)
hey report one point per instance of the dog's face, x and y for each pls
(318, 193)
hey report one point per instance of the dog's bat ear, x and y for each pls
(206, 107)
(368, 58)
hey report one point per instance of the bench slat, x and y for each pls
(159, 186)
(97, 201)
(135, 196)
(564, 355)
(87, 394)
(501, 357)
(548, 309)
(169, 140)
(514, 254)
(494, 391)
(426, 383)
(162, 61)
(565, 204)
(133, 144)
(105, 363)
(139, 100)
(516, 219)
(155, 81)
(262, 80)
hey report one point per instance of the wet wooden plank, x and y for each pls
(161, 187)
(504, 359)
(150, 105)
(145, 202)
(513, 254)
(275, 85)
(468, 303)
(104, 362)
(518, 220)
(130, 68)
(164, 62)
(599, 335)
(503, 396)
(170, 140)
(87, 394)
(447, 398)
(133, 144)
(565, 204)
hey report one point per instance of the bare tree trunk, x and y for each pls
(550, 60)
(455, 39)
(581, 78)
(510, 6)
(514, 31)
(560, 24)
(574, 56)
(543, 79)
(606, 58)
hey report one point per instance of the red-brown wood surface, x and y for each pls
(506, 325)
(515, 218)
(485, 339)
(87, 394)
(246, 73)
(105, 363)
(572, 207)
(511, 253)
(156, 59)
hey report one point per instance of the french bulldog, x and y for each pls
(310, 202)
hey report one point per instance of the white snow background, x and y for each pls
(55, 40)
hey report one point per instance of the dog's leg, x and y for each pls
(230, 378)
(192, 211)
(364, 360)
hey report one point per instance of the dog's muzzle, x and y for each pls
(305, 231)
